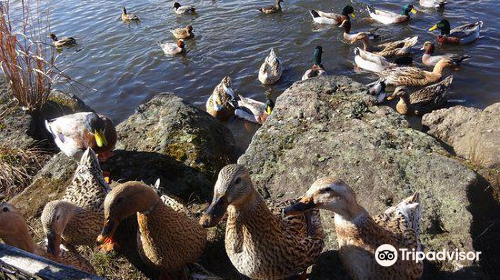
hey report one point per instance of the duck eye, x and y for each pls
(237, 181)
(5, 209)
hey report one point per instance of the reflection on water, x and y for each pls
(126, 67)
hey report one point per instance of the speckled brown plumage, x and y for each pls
(260, 244)
(359, 235)
(388, 49)
(413, 76)
(14, 232)
(219, 103)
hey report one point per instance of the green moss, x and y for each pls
(67, 102)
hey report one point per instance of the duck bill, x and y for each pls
(100, 139)
(105, 239)
(415, 198)
(414, 11)
(54, 244)
(391, 97)
(304, 205)
(353, 15)
(433, 28)
(212, 216)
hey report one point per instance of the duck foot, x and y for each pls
(103, 157)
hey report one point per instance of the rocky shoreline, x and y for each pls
(319, 127)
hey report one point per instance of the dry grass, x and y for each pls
(26, 56)
(17, 166)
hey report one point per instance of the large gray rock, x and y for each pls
(170, 139)
(474, 134)
(329, 126)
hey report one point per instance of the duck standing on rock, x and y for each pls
(14, 232)
(464, 34)
(359, 234)
(332, 18)
(386, 17)
(77, 218)
(182, 10)
(183, 33)
(272, 9)
(259, 244)
(317, 69)
(271, 70)
(429, 59)
(220, 103)
(167, 239)
(422, 101)
(63, 42)
(74, 133)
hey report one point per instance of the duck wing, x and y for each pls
(431, 96)
(466, 29)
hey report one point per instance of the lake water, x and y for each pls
(123, 66)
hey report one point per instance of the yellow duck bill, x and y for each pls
(433, 28)
(100, 139)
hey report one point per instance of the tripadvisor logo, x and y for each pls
(387, 255)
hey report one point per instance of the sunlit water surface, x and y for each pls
(123, 66)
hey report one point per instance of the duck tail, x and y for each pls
(447, 81)
(49, 129)
(314, 14)
(410, 42)
(457, 59)
(411, 209)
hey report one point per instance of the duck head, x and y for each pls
(328, 194)
(233, 187)
(269, 106)
(96, 126)
(189, 28)
(443, 25)
(53, 37)
(124, 11)
(123, 201)
(13, 228)
(181, 44)
(348, 11)
(407, 9)
(400, 91)
(177, 5)
(428, 47)
(55, 216)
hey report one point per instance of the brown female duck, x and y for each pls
(259, 244)
(220, 103)
(413, 76)
(272, 9)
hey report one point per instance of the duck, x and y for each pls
(387, 49)
(464, 34)
(167, 240)
(387, 17)
(181, 10)
(359, 234)
(352, 37)
(272, 9)
(377, 89)
(317, 69)
(128, 17)
(428, 59)
(433, 3)
(76, 219)
(174, 48)
(63, 42)
(271, 70)
(220, 104)
(260, 244)
(332, 18)
(14, 232)
(183, 33)
(413, 76)
(253, 110)
(74, 133)
(422, 101)
(370, 61)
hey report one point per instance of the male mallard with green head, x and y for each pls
(387, 17)
(463, 34)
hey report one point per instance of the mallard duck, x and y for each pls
(173, 48)
(421, 101)
(260, 244)
(77, 218)
(463, 34)
(180, 10)
(433, 3)
(352, 37)
(386, 17)
(253, 110)
(271, 70)
(377, 89)
(14, 232)
(183, 33)
(128, 17)
(272, 9)
(332, 18)
(359, 234)
(429, 59)
(413, 76)
(393, 48)
(63, 42)
(167, 240)
(370, 61)
(74, 133)
(221, 103)
(317, 69)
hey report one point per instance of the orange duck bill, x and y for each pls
(105, 239)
